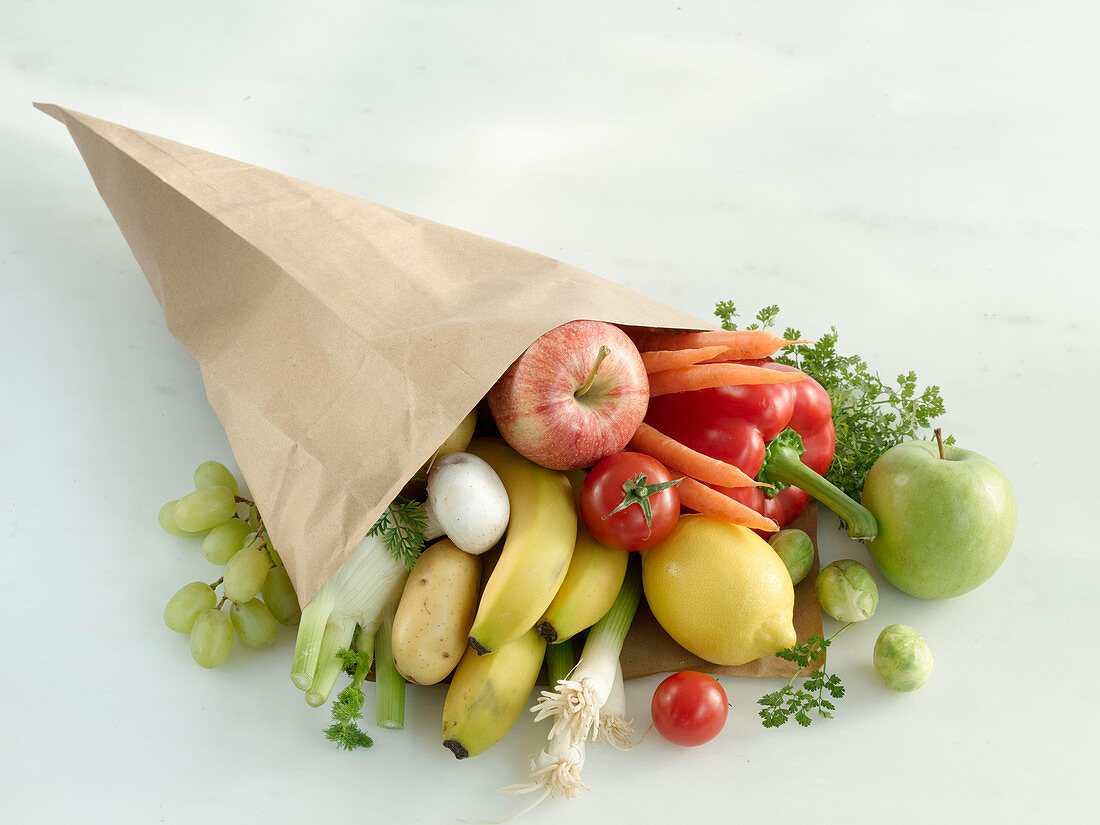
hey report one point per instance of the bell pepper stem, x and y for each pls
(784, 464)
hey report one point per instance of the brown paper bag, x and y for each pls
(340, 341)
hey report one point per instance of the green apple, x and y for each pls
(945, 524)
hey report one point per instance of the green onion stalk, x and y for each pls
(578, 700)
(559, 661)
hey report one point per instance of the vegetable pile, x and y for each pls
(614, 466)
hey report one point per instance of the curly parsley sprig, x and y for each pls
(870, 415)
(781, 705)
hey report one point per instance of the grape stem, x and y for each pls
(214, 585)
(219, 607)
(243, 500)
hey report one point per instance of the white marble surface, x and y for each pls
(921, 175)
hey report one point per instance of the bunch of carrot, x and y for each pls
(685, 362)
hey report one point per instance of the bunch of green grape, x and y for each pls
(254, 582)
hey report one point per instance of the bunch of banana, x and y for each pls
(542, 530)
(551, 573)
(591, 584)
(488, 693)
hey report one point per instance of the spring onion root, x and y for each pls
(614, 729)
(577, 701)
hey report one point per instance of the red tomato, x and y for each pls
(610, 482)
(689, 708)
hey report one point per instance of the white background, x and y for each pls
(921, 175)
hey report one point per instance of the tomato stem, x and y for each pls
(637, 491)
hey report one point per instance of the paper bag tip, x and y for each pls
(53, 110)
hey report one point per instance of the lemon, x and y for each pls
(720, 591)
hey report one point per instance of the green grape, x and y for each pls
(280, 598)
(253, 623)
(263, 544)
(253, 517)
(213, 474)
(224, 540)
(245, 575)
(167, 519)
(189, 601)
(211, 638)
(205, 508)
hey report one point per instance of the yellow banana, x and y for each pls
(542, 530)
(591, 584)
(488, 693)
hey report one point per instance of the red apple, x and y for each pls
(575, 396)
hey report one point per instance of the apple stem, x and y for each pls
(939, 441)
(602, 354)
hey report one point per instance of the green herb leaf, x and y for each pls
(726, 312)
(346, 711)
(402, 528)
(779, 706)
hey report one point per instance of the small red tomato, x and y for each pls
(629, 501)
(689, 708)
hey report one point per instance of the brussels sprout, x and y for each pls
(902, 658)
(796, 551)
(846, 591)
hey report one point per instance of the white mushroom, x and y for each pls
(466, 502)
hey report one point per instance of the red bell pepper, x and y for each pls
(779, 433)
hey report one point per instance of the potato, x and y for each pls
(435, 613)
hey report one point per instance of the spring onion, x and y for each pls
(559, 661)
(555, 769)
(614, 728)
(578, 700)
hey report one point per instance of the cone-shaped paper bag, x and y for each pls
(340, 341)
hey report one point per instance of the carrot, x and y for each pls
(702, 499)
(670, 359)
(685, 460)
(741, 344)
(705, 376)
